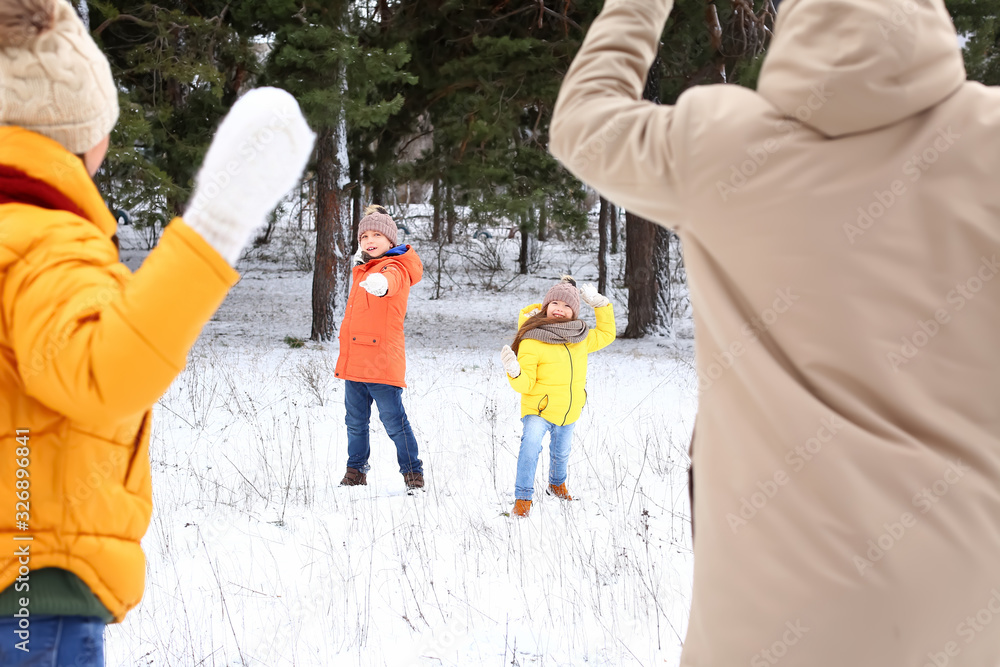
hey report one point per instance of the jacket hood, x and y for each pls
(848, 66)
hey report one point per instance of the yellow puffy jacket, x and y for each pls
(86, 349)
(553, 377)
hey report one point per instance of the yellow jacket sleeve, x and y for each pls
(527, 358)
(95, 342)
(604, 333)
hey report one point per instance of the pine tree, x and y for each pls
(701, 44)
(489, 73)
(180, 69)
(316, 55)
(979, 22)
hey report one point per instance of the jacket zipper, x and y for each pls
(570, 406)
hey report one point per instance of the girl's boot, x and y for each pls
(521, 507)
(559, 490)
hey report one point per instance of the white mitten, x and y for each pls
(592, 298)
(375, 284)
(358, 257)
(509, 360)
(257, 155)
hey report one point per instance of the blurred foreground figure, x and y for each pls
(841, 229)
(87, 348)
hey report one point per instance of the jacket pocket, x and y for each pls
(365, 339)
(543, 403)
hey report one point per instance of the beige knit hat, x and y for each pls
(53, 78)
(565, 291)
(377, 219)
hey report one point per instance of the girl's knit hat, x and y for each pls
(565, 291)
(377, 219)
(53, 78)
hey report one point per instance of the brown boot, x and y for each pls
(354, 477)
(560, 491)
(414, 480)
(521, 507)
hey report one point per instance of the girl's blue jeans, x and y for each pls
(560, 443)
(358, 397)
(53, 641)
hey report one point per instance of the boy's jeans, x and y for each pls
(358, 398)
(54, 641)
(560, 443)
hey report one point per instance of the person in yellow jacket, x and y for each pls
(547, 365)
(86, 347)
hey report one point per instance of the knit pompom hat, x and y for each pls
(377, 219)
(53, 78)
(565, 291)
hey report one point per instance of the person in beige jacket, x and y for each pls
(841, 230)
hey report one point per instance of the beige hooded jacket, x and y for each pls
(841, 230)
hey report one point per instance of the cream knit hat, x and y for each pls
(53, 78)
(565, 291)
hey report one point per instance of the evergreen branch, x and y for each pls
(529, 8)
(124, 17)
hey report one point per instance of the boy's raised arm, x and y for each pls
(603, 131)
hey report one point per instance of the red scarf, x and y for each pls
(16, 187)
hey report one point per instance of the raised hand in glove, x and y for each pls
(375, 284)
(358, 257)
(257, 155)
(509, 360)
(592, 298)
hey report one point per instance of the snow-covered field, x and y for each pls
(257, 557)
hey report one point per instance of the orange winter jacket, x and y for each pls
(86, 349)
(372, 341)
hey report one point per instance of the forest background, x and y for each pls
(438, 101)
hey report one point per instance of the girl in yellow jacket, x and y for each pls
(547, 365)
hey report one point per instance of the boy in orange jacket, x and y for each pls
(372, 347)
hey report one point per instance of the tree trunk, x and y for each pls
(644, 255)
(640, 275)
(522, 258)
(449, 212)
(661, 268)
(613, 215)
(602, 246)
(543, 223)
(436, 201)
(330, 278)
(356, 204)
(83, 10)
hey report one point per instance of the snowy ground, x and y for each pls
(257, 557)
